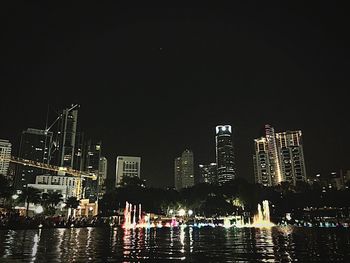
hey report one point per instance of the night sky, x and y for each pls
(153, 82)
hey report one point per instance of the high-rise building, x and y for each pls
(291, 154)
(92, 166)
(275, 168)
(225, 159)
(178, 172)
(207, 173)
(80, 152)
(102, 176)
(66, 136)
(129, 166)
(262, 162)
(35, 146)
(184, 170)
(5, 156)
(187, 169)
(279, 157)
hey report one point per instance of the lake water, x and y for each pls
(279, 244)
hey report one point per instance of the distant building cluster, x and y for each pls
(47, 156)
(220, 172)
(333, 180)
(279, 157)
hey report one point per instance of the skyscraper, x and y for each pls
(178, 172)
(187, 169)
(262, 162)
(5, 156)
(66, 136)
(127, 166)
(92, 166)
(207, 173)
(80, 152)
(184, 170)
(102, 176)
(291, 156)
(275, 169)
(35, 146)
(225, 159)
(279, 157)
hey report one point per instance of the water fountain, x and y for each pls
(130, 217)
(262, 219)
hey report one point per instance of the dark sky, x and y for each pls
(152, 82)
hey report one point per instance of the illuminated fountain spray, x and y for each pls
(262, 219)
(134, 217)
(130, 218)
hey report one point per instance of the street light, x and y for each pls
(39, 209)
(190, 212)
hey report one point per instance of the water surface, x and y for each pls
(279, 244)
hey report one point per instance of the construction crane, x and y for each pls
(50, 167)
(60, 116)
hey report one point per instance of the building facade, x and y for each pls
(177, 173)
(279, 157)
(127, 166)
(225, 159)
(102, 176)
(262, 167)
(5, 156)
(187, 169)
(184, 170)
(92, 166)
(207, 173)
(35, 146)
(66, 185)
(291, 154)
(274, 161)
(67, 136)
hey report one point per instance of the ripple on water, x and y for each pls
(281, 244)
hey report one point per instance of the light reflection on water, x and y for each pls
(279, 244)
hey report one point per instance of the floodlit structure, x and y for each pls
(279, 157)
(225, 159)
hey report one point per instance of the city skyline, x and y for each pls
(197, 173)
(154, 82)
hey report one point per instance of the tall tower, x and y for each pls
(102, 176)
(275, 167)
(184, 170)
(261, 158)
(5, 156)
(225, 159)
(279, 157)
(187, 169)
(67, 134)
(178, 173)
(291, 152)
(92, 166)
